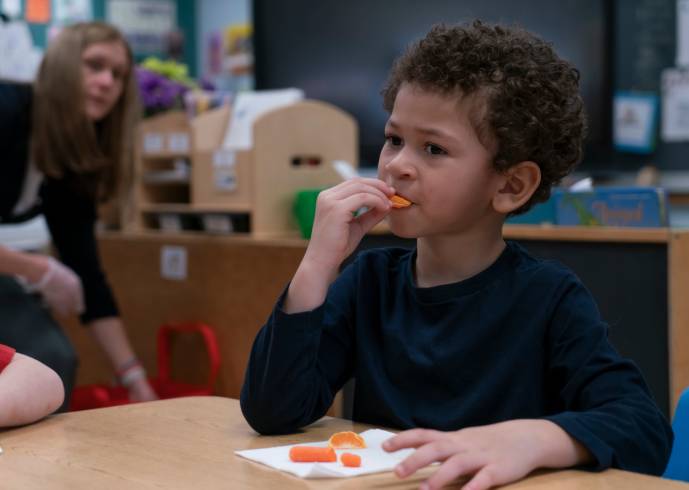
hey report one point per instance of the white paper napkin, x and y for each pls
(373, 458)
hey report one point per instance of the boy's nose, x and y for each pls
(401, 166)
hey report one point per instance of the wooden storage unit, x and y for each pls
(292, 149)
(162, 150)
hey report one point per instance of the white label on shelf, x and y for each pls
(217, 223)
(153, 142)
(170, 222)
(225, 178)
(178, 142)
(173, 262)
(224, 158)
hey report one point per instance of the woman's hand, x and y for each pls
(57, 284)
(141, 391)
(491, 455)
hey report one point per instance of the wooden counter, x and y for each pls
(639, 277)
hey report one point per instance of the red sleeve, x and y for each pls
(6, 355)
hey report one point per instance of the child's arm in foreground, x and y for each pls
(336, 234)
(29, 390)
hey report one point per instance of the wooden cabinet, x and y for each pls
(185, 180)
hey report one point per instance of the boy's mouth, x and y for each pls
(399, 202)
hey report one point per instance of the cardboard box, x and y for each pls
(540, 214)
(612, 206)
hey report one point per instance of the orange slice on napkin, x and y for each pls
(350, 460)
(346, 440)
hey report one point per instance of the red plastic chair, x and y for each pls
(98, 396)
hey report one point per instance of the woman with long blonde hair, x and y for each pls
(64, 148)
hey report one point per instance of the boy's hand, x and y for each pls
(494, 454)
(336, 229)
(336, 233)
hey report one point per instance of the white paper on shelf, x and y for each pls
(249, 106)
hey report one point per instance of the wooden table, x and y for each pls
(190, 442)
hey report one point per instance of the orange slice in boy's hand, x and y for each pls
(346, 440)
(399, 202)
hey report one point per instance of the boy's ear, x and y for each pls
(518, 185)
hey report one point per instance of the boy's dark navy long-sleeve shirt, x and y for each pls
(522, 339)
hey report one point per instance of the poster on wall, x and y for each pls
(20, 58)
(37, 11)
(68, 11)
(675, 108)
(145, 23)
(11, 8)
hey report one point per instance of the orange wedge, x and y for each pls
(350, 460)
(346, 440)
(399, 202)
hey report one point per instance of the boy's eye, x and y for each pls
(432, 149)
(393, 140)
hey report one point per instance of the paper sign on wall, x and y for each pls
(173, 262)
(682, 37)
(19, 60)
(67, 11)
(675, 109)
(38, 11)
(12, 8)
(634, 119)
(145, 23)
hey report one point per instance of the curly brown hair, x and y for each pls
(530, 107)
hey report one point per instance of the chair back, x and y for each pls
(678, 466)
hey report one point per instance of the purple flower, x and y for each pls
(159, 93)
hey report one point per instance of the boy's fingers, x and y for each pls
(356, 188)
(411, 438)
(457, 466)
(428, 454)
(486, 478)
(356, 185)
(370, 219)
(371, 201)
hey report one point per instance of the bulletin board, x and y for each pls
(644, 45)
(42, 14)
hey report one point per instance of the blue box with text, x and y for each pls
(612, 206)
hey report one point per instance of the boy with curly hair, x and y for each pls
(498, 362)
